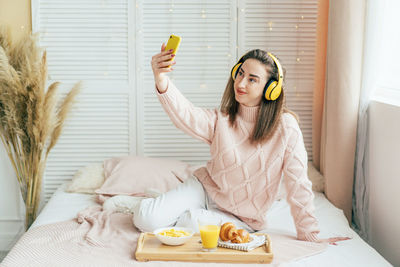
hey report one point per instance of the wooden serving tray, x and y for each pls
(149, 248)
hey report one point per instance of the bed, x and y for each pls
(63, 207)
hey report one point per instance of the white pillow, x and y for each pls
(317, 179)
(91, 177)
(87, 179)
(318, 182)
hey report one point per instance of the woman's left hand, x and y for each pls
(333, 240)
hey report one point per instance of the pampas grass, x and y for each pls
(30, 119)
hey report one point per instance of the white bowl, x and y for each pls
(173, 241)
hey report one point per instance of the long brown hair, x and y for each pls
(270, 112)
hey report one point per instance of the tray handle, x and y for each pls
(140, 244)
(268, 247)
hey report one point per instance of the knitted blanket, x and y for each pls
(99, 238)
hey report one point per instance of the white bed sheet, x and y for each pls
(355, 252)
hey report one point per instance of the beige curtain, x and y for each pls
(319, 79)
(341, 100)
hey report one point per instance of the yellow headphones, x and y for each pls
(273, 88)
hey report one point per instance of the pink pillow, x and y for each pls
(132, 175)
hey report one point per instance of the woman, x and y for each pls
(253, 141)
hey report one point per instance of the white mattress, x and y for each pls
(355, 252)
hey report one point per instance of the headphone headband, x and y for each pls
(273, 88)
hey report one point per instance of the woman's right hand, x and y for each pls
(160, 64)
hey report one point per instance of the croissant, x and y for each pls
(229, 232)
(241, 237)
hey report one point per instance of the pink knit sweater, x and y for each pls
(243, 178)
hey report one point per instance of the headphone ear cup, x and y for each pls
(270, 92)
(276, 92)
(235, 70)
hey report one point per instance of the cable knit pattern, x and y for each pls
(243, 178)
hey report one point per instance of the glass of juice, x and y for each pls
(209, 233)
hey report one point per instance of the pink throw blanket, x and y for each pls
(99, 238)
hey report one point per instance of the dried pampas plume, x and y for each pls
(31, 121)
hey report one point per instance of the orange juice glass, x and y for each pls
(209, 233)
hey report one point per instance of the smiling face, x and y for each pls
(250, 82)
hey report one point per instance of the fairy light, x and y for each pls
(203, 15)
(298, 58)
(296, 92)
(270, 23)
(22, 27)
(137, 5)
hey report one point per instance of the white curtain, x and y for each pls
(371, 63)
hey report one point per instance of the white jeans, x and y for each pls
(181, 207)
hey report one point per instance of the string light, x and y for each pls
(296, 91)
(22, 27)
(296, 26)
(270, 23)
(137, 5)
(203, 15)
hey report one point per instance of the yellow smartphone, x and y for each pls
(173, 43)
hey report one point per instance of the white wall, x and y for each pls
(384, 184)
(10, 209)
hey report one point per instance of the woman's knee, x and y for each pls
(146, 218)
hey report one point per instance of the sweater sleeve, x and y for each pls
(299, 188)
(195, 121)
